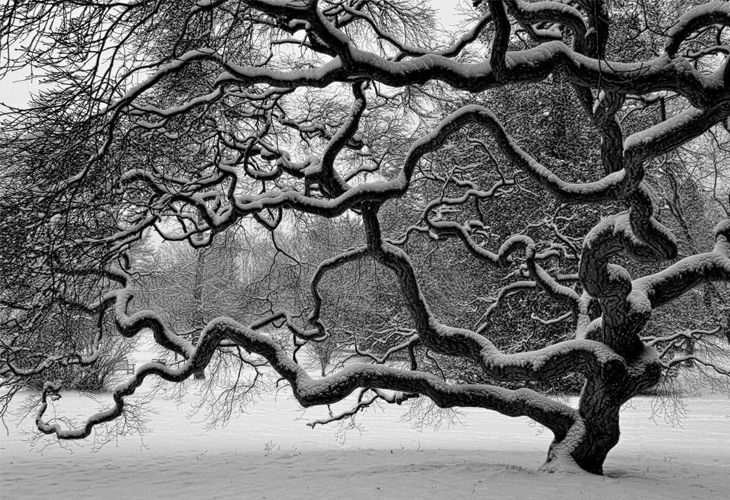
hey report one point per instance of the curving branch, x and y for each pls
(263, 118)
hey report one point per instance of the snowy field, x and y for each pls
(271, 453)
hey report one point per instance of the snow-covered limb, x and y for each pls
(683, 276)
(661, 73)
(363, 403)
(500, 41)
(614, 185)
(553, 320)
(324, 174)
(408, 345)
(322, 269)
(556, 416)
(718, 369)
(529, 14)
(207, 121)
(681, 335)
(504, 292)
(582, 356)
(695, 19)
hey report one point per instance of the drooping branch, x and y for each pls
(323, 268)
(583, 356)
(207, 144)
(695, 19)
(308, 391)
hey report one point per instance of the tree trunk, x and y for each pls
(586, 446)
(596, 430)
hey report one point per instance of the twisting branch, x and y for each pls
(254, 117)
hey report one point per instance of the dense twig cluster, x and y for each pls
(193, 119)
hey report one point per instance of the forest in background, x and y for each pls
(485, 218)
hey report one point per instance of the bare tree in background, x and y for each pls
(197, 117)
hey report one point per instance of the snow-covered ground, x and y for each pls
(271, 453)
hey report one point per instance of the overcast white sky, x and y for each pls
(15, 88)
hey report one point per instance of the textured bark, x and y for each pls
(227, 132)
